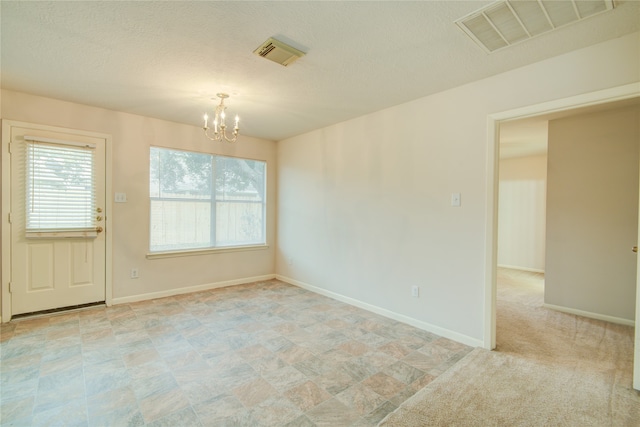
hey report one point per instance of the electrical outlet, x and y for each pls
(134, 273)
(415, 291)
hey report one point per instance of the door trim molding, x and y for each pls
(7, 125)
(617, 93)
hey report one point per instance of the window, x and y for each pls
(60, 188)
(203, 201)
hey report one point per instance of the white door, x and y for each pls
(58, 243)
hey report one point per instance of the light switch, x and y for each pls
(455, 199)
(121, 198)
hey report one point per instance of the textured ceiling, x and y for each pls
(168, 59)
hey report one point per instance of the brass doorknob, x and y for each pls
(635, 249)
(99, 229)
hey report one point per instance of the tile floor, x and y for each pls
(263, 354)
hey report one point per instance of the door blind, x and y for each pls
(60, 186)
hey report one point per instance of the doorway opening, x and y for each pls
(561, 108)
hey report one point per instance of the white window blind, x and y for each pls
(60, 186)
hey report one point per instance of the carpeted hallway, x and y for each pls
(549, 368)
(526, 329)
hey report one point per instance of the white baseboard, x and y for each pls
(189, 289)
(591, 315)
(446, 333)
(515, 267)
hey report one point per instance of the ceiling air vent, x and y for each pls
(279, 52)
(508, 22)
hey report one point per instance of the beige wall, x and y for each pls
(592, 212)
(132, 136)
(364, 205)
(522, 213)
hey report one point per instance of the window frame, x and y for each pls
(212, 201)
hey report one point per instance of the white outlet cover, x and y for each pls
(121, 198)
(456, 199)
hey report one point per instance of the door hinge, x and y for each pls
(9, 147)
(9, 217)
(10, 287)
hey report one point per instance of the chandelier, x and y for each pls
(219, 125)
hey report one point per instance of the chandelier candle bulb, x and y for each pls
(206, 117)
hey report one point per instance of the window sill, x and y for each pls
(207, 251)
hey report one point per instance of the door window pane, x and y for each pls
(60, 187)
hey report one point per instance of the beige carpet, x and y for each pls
(551, 369)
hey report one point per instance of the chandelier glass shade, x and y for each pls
(219, 125)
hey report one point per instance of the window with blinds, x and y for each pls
(60, 188)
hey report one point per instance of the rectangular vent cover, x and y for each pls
(279, 52)
(507, 22)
